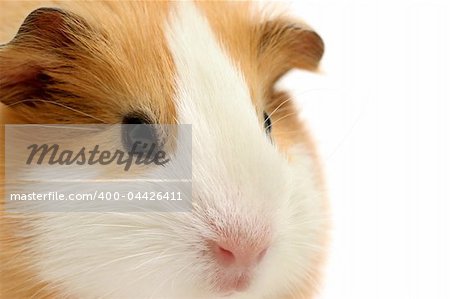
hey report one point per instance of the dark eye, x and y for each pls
(267, 124)
(138, 135)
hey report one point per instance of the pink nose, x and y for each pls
(235, 255)
(236, 261)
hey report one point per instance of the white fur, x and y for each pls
(239, 179)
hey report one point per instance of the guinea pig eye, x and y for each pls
(267, 124)
(138, 135)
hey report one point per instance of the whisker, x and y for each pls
(114, 261)
(286, 116)
(60, 105)
(276, 109)
(166, 280)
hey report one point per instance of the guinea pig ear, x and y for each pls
(43, 46)
(51, 26)
(286, 44)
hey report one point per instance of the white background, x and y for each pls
(381, 116)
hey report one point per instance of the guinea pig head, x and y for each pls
(257, 224)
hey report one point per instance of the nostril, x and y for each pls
(261, 255)
(227, 254)
(223, 255)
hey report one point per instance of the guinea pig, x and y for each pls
(258, 225)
